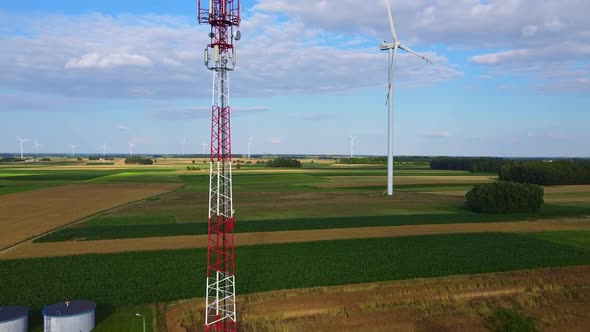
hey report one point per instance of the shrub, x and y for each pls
(283, 162)
(509, 320)
(505, 197)
(192, 168)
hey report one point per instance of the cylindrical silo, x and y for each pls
(14, 318)
(70, 316)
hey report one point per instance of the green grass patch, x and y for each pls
(104, 228)
(580, 239)
(162, 276)
(129, 220)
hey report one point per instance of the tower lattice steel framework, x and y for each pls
(220, 57)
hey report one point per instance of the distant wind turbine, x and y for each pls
(104, 150)
(392, 49)
(21, 141)
(74, 150)
(131, 145)
(249, 144)
(183, 143)
(204, 148)
(352, 138)
(36, 147)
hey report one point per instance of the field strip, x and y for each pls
(27, 215)
(30, 250)
(321, 308)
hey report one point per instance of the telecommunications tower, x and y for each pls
(220, 57)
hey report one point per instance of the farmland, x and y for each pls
(142, 252)
(132, 278)
(55, 207)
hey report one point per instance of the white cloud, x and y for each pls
(499, 57)
(274, 141)
(530, 30)
(443, 134)
(112, 60)
(99, 56)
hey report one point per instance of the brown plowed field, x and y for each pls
(28, 214)
(557, 299)
(243, 239)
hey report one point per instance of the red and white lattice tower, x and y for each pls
(220, 57)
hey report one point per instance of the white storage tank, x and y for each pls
(70, 316)
(14, 318)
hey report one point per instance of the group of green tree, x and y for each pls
(138, 161)
(475, 165)
(505, 197)
(572, 172)
(284, 162)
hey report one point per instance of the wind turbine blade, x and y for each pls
(391, 26)
(409, 50)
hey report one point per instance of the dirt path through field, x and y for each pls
(244, 239)
(28, 214)
(557, 299)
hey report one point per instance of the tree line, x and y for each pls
(547, 173)
(474, 165)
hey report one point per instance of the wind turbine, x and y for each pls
(352, 138)
(104, 150)
(131, 145)
(74, 150)
(183, 143)
(36, 146)
(21, 141)
(204, 148)
(249, 143)
(392, 49)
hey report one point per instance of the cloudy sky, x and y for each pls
(509, 77)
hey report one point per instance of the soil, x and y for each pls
(557, 300)
(29, 214)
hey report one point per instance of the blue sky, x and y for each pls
(510, 78)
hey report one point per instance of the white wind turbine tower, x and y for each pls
(21, 141)
(36, 146)
(74, 150)
(249, 144)
(204, 148)
(392, 48)
(104, 150)
(131, 145)
(352, 138)
(183, 143)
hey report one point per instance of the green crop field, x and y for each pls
(149, 277)
(137, 226)
(580, 239)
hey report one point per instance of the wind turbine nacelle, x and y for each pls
(386, 46)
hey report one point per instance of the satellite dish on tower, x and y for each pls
(237, 35)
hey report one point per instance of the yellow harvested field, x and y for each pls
(355, 181)
(553, 194)
(30, 250)
(28, 214)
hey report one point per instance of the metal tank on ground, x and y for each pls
(14, 318)
(70, 316)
